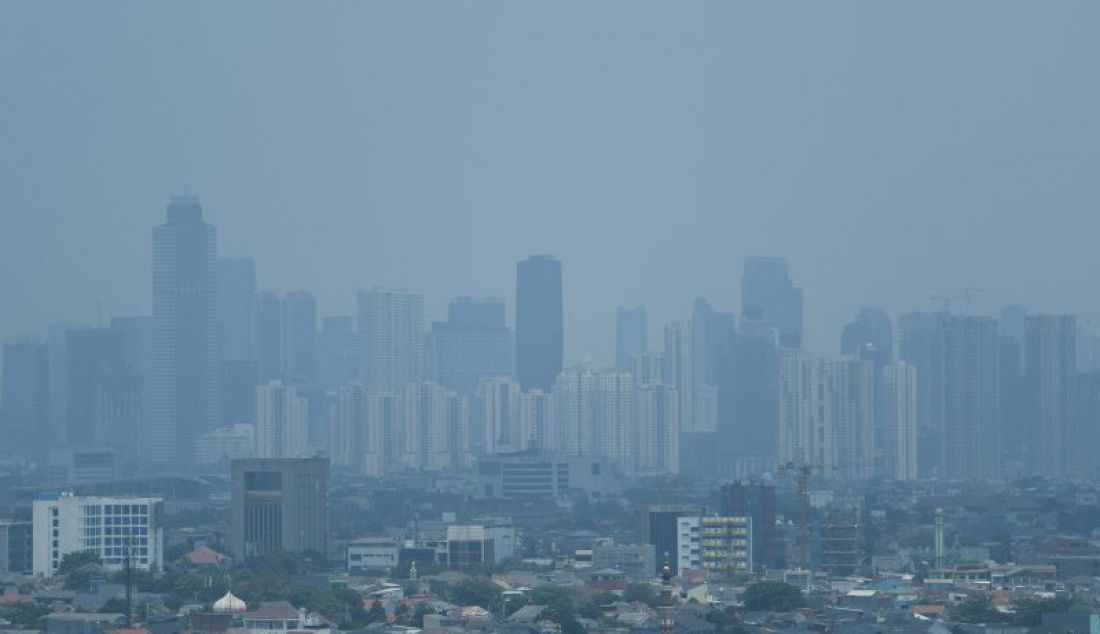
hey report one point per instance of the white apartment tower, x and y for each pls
(282, 422)
(115, 528)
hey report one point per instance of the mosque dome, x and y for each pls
(229, 603)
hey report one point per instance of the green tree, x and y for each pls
(1029, 610)
(976, 609)
(474, 591)
(772, 596)
(642, 593)
(376, 613)
(26, 615)
(561, 607)
(77, 560)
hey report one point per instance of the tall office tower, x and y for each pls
(25, 399)
(299, 349)
(538, 419)
(850, 446)
(712, 333)
(57, 340)
(282, 421)
(647, 368)
(899, 391)
(539, 322)
(1087, 423)
(115, 528)
(917, 344)
(473, 345)
(278, 504)
(348, 429)
(267, 333)
(137, 340)
(336, 352)
(236, 297)
(755, 501)
(747, 399)
(383, 442)
(826, 413)
(436, 426)
(768, 293)
(92, 358)
(594, 415)
(504, 430)
(1015, 418)
(658, 429)
(391, 337)
(186, 335)
(967, 397)
(239, 382)
(631, 335)
(1052, 393)
(678, 370)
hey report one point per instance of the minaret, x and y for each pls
(666, 613)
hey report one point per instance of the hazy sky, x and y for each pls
(883, 147)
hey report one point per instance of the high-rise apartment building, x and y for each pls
(187, 340)
(538, 416)
(473, 345)
(391, 338)
(115, 528)
(279, 504)
(539, 322)
(631, 335)
(678, 371)
(282, 421)
(720, 545)
(657, 430)
(748, 421)
(436, 427)
(25, 419)
(768, 293)
(966, 396)
(504, 430)
(899, 390)
(299, 344)
(1051, 378)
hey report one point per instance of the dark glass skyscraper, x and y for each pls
(25, 399)
(539, 329)
(186, 338)
(631, 335)
(768, 293)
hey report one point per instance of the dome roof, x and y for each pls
(229, 603)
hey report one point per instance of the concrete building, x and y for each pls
(899, 391)
(224, 444)
(636, 561)
(436, 426)
(279, 504)
(391, 336)
(1051, 380)
(504, 428)
(282, 422)
(658, 429)
(112, 527)
(719, 545)
(472, 346)
(376, 555)
(187, 342)
(533, 476)
(539, 322)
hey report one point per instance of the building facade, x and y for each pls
(279, 504)
(115, 528)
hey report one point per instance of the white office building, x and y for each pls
(111, 527)
(713, 543)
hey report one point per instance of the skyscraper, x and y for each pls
(236, 294)
(539, 327)
(348, 429)
(282, 421)
(966, 394)
(658, 429)
(25, 399)
(267, 332)
(678, 370)
(391, 338)
(631, 335)
(186, 339)
(93, 358)
(869, 336)
(899, 382)
(279, 504)
(299, 346)
(504, 430)
(768, 293)
(748, 398)
(336, 351)
(917, 337)
(436, 427)
(1051, 379)
(473, 345)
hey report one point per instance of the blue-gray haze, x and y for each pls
(882, 147)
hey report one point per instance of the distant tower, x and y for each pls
(666, 612)
(391, 337)
(539, 329)
(938, 562)
(768, 293)
(187, 352)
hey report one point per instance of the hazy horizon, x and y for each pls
(882, 149)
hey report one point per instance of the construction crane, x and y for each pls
(803, 470)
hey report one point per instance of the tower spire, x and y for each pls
(666, 612)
